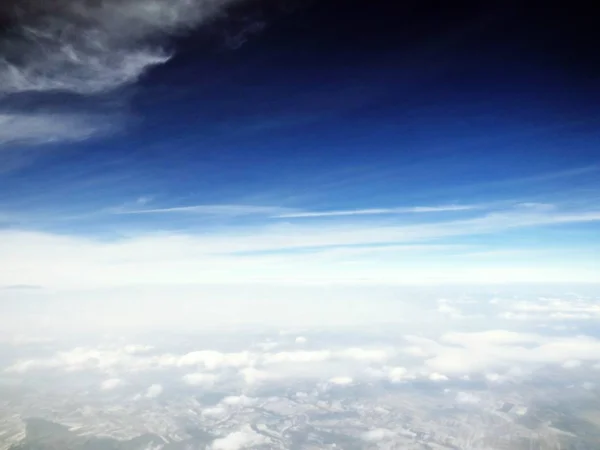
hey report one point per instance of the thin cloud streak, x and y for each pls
(43, 128)
(275, 212)
(217, 210)
(377, 211)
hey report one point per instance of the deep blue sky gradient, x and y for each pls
(339, 105)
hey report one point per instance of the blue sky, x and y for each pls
(342, 156)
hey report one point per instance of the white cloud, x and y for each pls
(572, 364)
(133, 349)
(360, 354)
(41, 128)
(154, 391)
(554, 309)
(467, 398)
(300, 340)
(243, 438)
(377, 434)
(103, 358)
(239, 400)
(200, 379)
(135, 358)
(111, 383)
(398, 374)
(265, 253)
(495, 377)
(450, 311)
(20, 339)
(211, 359)
(298, 356)
(498, 337)
(501, 353)
(266, 346)
(454, 354)
(254, 376)
(215, 411)
(437, 377)
(341, 381)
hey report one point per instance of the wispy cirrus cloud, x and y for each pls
(18, 128)
(277, 212)
(82, 50)
(91, 47)
(377, 211)
(216, 210)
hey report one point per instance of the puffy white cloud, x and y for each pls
(398, 374)
(253, 376)
(200, 379)
(154, 391)
(360, 354)
(497, 355)
(239, 400)
(103, 358)
(297, 356)
(394, 374)
(215, 411)
(266, 346)
(254, 365)
(213, 359)
(111, 384)
(491, 337)
(357, 354)
(377, 434)
(572, 364)
(341, 381)
(133, 349)
(449, 310)
(502, 352)
(495, 377)
(300, 340)
(437, 377)
(554, 309)
(467, 398)
(243, 438)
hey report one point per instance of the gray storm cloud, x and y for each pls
(86, 48)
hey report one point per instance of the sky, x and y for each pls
(194, 142)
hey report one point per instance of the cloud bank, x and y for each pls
(493, 354)
(287, 252)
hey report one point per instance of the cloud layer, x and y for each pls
(271, 250)
(492, 356)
